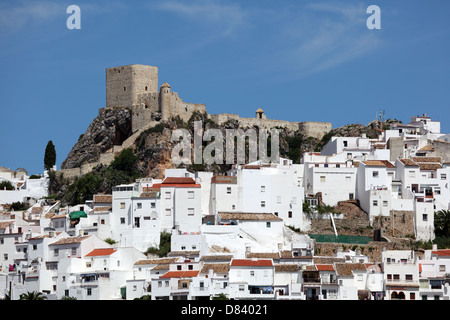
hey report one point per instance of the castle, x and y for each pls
(136, 87)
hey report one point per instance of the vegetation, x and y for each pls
(110, 241)
(50, 156)
(220, 296)
(124, 169)
(18, 206)
(164, 246)
(6, 185)
(33, 295)
(442, 223)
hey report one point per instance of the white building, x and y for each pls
(272, 188)
(251, 279)
(401, 275)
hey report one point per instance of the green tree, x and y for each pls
(50, 156)
(442, 223)
(34, 295)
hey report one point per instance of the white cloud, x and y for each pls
(27, 14)
(226, 16)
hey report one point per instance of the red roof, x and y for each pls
(325, 267)
(251, 263)
(101, 252)
(442, 252)
(179, 182)
(180, 274)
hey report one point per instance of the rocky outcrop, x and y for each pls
(111, 127)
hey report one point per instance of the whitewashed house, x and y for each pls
(434, 272)
(401, 275)
(251, 279)
(273, 188)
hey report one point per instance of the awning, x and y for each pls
(77, 215)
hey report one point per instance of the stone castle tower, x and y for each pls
(136, 86)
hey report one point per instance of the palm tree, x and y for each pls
(442, 222)
(34, 295)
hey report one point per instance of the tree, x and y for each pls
(442, 223)
(34, 295)
(50, 156)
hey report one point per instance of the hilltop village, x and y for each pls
(260, 231)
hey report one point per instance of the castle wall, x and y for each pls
(310, 129)
(123, 84)
(315, 129)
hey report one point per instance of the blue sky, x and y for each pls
(298, 60)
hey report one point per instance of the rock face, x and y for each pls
(111, 127)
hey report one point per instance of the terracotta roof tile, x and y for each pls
(251, 263)
(442, 252)
(70, 240)
(409, 162)
(286, 267)
(345, 269)
(216, 267)
(325, 267)
(248, 216)
(180, 274)
(267, 255)
(101, 252)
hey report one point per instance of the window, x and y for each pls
(167, 195)
(241, 287)
(412, 296)
(289, 214)
(139, 205)
(263, 188)
(159, 284)
(34, 246)
(322, 179)
(409, 277)
(252, 273)
(345, 143)
(179, 267)
(375, 174)
(190, 194)
(263, 204)
(267, 224)
(375, 203)
(102, 221)
(122, 220)
(153, 205)
(74, 251)
(167, 212)
(442, 268)
(56, 252)
(5, 256)
(350, 196)
(411, 174)
(166, 283)
(89, 291)
(229, 190)
(443, 176)
(122, 205)
(396, 277)
(385, 203)
(190, 211)
(424, 217)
